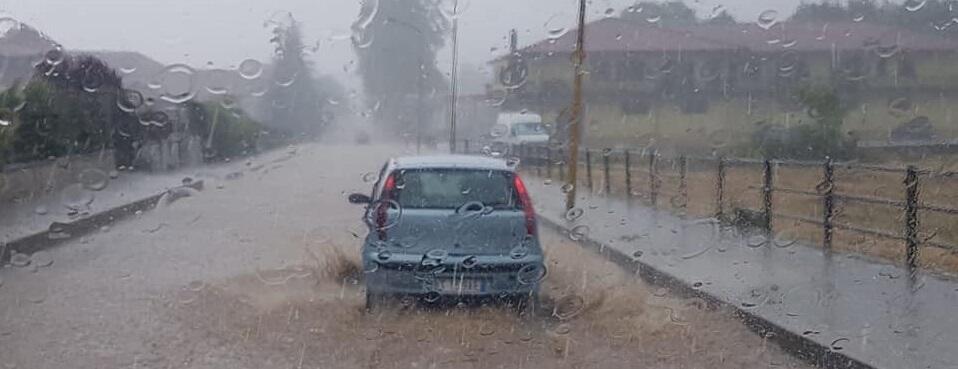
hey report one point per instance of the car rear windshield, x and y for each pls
(522, 129)
(453, 188)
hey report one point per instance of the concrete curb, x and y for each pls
(59, 233)
(793, 342)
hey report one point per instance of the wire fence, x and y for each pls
(764, 193)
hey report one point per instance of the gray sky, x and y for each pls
(225, 32)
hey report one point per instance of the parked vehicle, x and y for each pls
(519, 128)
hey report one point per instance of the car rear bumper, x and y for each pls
(453, 280)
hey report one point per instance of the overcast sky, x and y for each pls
(225, 32)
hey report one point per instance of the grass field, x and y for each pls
(938, 232)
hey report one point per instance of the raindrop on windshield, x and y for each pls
(574, 214)
(610, 12)
(369, 177)
(531, 273)
(54, 56)
(568, 307)
(129, 100)
(76, 197)
(250, 69)
(756, 241)
(579, 232)
(767, 19)
(554, 26)
(568, 187)
(19, 260)
(914, 5)
(93, 179)
(177, 82)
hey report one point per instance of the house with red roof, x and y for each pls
(708, 85)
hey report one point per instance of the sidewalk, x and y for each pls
(35, 215)
(865, 311)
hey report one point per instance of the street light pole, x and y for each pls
(576, 114)
(420, 114)
(419, 103)
(454, 78)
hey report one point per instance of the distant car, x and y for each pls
(519, 128)
(451, 226)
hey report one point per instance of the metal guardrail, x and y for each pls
(540, 156)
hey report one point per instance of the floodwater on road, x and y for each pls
(260, 270)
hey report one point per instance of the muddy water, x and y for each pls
(593, 315)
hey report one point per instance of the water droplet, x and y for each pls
(93, 179)
(660, 292)
(914, 5)
(250, 69)
(901, 106)
(218, 82)
(785, 239)
(767, 19)
(285, 79)
(886, 51)
(177, 82)
(568, 187)
(609, 12)
(41, 210)
(531, 273)
(568, 307)
(574, 214)
(519, 252)
(756, 241)
(858, 17)
(384, 255)
(554, 26)
(76, 197)
(579, 232)
(129, 100)
(437, 254)
(19, 260)
(499, 130)
(92, 80)
(369, 177)
(470, 262)
(54, 56)
(653, 18)
(837, 344)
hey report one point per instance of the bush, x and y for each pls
(233, 132)
(813, 141)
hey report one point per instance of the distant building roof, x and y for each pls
(614, 34)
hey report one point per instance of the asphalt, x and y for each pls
(869, 313)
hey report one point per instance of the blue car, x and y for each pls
(451, 226)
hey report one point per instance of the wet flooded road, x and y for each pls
(240, 276)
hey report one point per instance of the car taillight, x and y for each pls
(389, 189)
(526, 203)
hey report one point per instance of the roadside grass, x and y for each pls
(743, 190)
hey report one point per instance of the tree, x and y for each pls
(10, 103)
(294, 103)
(70, 106)
(722, 18)
(396, 42)
(667, 13)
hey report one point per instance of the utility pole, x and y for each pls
(576, 117)
(455, 77)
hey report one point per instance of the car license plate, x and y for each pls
(465, 286)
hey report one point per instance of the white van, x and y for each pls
(520, 128)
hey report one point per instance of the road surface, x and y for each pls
(260, 271)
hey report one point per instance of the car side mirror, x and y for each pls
(358, 198)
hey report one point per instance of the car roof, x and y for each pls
(450, 161)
